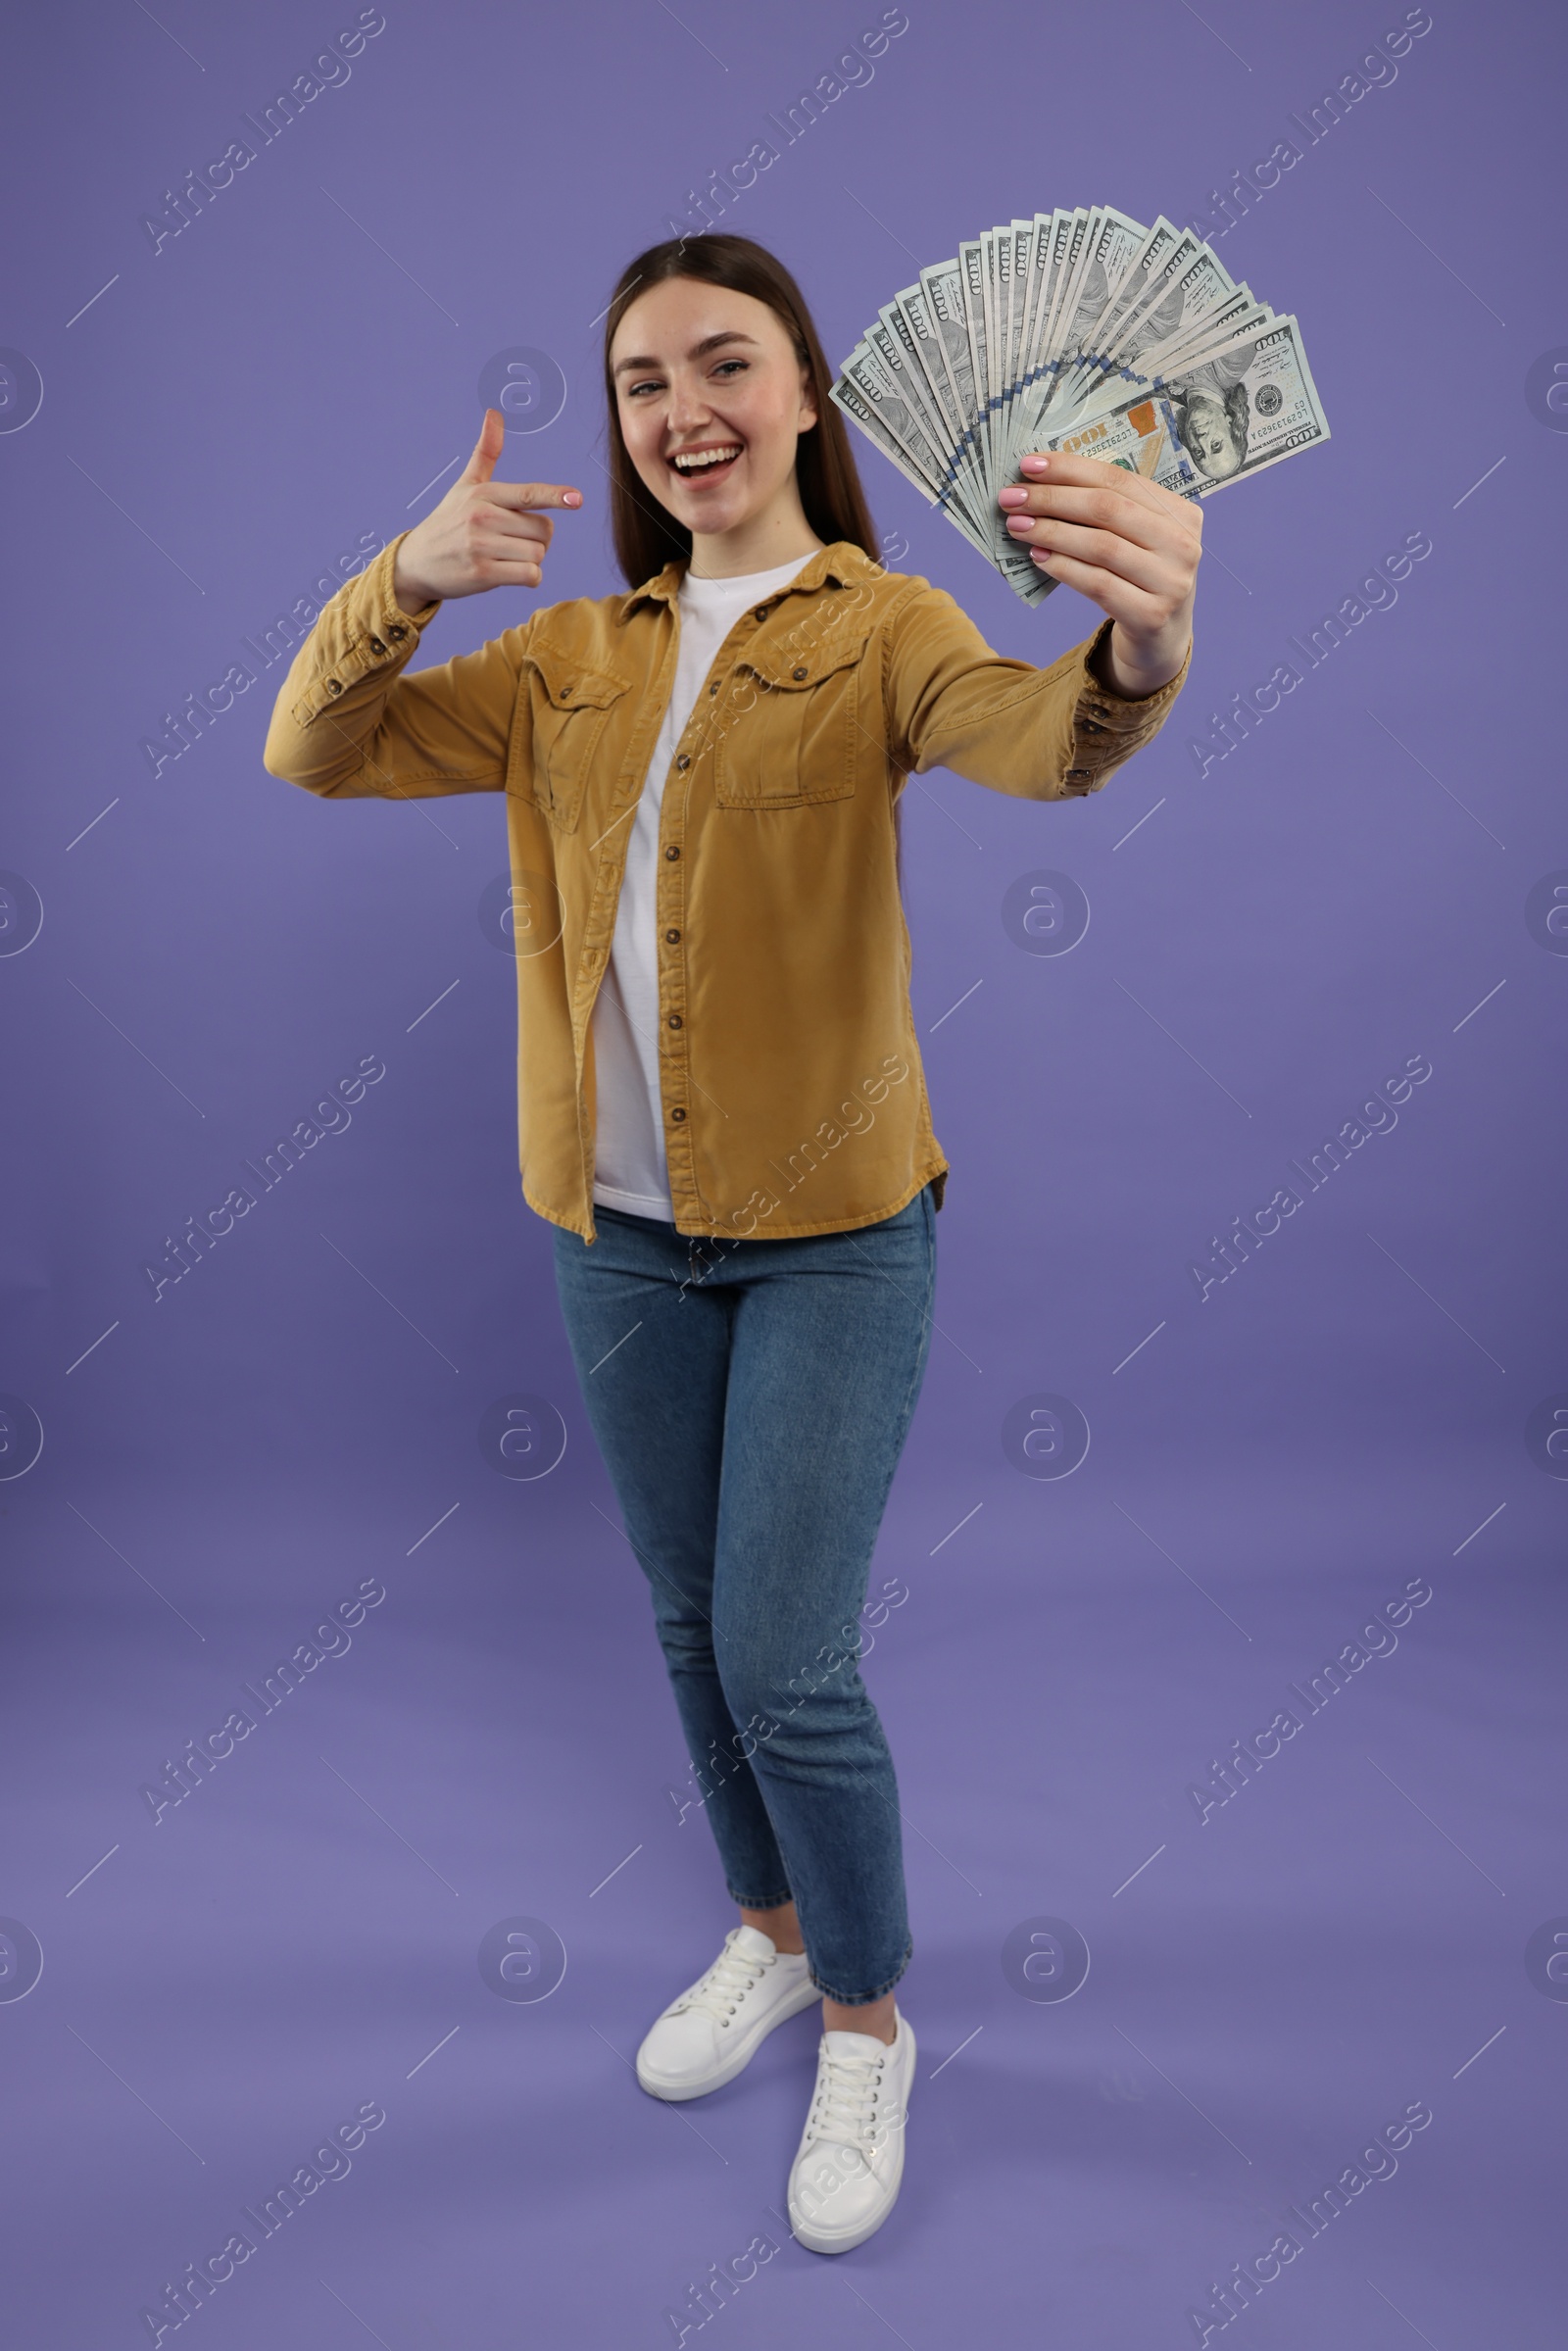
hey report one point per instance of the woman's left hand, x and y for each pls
(1129, 546)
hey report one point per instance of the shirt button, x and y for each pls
(673, 854)
(713, 688)
(376, 645)
(397, 631)
(675, 1020)
(334, 685)
(672, 938)
(761, 612)
(797, 673)
(678, 1114)
(683, 762)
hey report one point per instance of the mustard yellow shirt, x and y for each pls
(794, 1099)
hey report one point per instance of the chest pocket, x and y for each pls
(563, 711)
(793, 725)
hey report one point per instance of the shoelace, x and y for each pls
(720, 1990)
(844, 2110)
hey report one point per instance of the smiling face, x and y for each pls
(711, 399)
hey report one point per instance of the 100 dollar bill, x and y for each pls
(1141, 435)
(1234, 406)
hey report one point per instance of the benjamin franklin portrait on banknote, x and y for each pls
(1210, 406)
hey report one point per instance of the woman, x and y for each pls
(719, 1095)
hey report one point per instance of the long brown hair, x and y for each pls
(646, 535)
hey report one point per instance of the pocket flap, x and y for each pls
(794, 667)
(568, 683)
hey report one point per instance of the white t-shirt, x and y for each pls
(630, 1170)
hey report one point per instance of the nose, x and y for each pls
(688, 409)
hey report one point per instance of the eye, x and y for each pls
(651, 383)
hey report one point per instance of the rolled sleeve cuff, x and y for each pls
(1107, 726)
(363, 628)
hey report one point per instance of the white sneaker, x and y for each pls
(847, 2168)
(716, 2027)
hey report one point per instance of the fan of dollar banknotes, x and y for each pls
(1081, 331)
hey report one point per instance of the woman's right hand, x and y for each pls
(483, 534)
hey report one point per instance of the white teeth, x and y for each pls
(705, 456)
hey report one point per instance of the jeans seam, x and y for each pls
(924, 1344)
(921, 1352)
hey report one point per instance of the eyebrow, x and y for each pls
(698, 351)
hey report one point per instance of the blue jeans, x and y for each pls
(750, 1400)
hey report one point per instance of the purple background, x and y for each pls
(219, 1989)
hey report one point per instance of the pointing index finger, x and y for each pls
(526, 497)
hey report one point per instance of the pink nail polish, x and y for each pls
(1015, 496)
(1036, 465)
